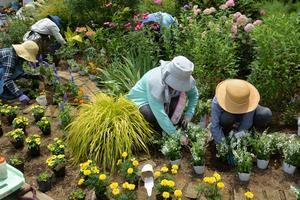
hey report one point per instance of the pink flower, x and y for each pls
(242, 20)
(197, 12)
(234, 29)
(157, 1)
(230, 3)
(108, 5)
(248, 27)
(155, 26)
(145, 15)
(257, 22)
(136, 17)
(206, 11)
(128, 25)
(138, 27)
(236, 15)
(223, 7)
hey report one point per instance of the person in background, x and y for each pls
(160, 20)
(163, 93)
(11, 69)
(235, 108)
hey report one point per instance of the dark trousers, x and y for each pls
(149, 116)
(262, 117)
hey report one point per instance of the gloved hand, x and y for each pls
(240, 134)
(24, 99)
(231, 159)
(186, 120)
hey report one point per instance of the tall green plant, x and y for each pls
(105, 128)
(168, 6)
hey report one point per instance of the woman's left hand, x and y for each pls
(184, 123)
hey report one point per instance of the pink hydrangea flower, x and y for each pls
(248, 27)
(236, 15)
(257, 22)
(157, 1)
(223, 7)
(242, 20)
(234, 29)
(212, 10)
(206, 11)
(230, 3)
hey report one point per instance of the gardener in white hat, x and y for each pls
(235, 107)
(163, 92)
(11, 60)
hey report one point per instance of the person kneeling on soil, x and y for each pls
(235, 108)
(162, 93)
(11, 60)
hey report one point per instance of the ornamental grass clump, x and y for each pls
(37, 112)
(106, 128)
(211, 187)
(58, 147)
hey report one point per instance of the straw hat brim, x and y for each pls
(23, 53)
(232, 107)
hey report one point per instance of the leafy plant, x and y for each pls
(171, 148)
(58, 147)
(44, 125)
(33, 142)
(198, 152)
(128, 168)
(262, 146)
(164, 181)
(55, 160)
(37, 112)
(20, 122)
(127, 192)
(44, 177)
(7, 110)
(291, 152)
(150, 6)
(78, 194)
(203, 108)
(105, 128)
(15, 161)
(16, 135)
(243, 159)
(64, 115)
(211, 187)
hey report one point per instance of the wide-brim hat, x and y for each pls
(179, 74)
(237, 96)
(56, 20)
(27, 50)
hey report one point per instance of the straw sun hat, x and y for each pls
(27, 50)
(237, 96)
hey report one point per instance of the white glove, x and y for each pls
(240, 134)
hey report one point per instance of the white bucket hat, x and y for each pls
(179, 75)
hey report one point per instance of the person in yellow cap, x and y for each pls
(11, 60)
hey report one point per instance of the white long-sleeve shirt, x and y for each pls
(47, 27)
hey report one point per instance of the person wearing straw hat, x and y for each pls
(11, 69)
(236, 107)
(163, 92)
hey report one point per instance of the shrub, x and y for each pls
(274, 71)
(105, 128)
(168, 6)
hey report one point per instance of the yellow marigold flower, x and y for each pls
(130, 170)
(131, 187)
(178, 193)
(212, 180)
(81, 181)
(119, 162)
(175, 167)
(174, 171)
(157, 174)
(249, 195)
(61, 146)
(38, 143)
(87, 172)
(60, 156)
(135, 163)
(217, 176)
(220, 185)
(102, 177)
(164, 169)
(124, 154)
(116, 191)
(171, 184)
(206, 179)
(113, 185)
(83, 166)
(95, 170)
(125, 185)
(165, 195)
(164, 182)
(89, 162)
(28, 140)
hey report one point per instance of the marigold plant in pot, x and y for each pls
(198, 153)
(9, 112)
(17, 163)
(78, 194)
(20, 122)
(44, 125)
(127, 192)
(171, 149)
(17, 137)
(211, 187)
(291, 154)
(33, 142)
(38, 112)
(105, 128)
(128, 168)
(56, 148)
(57, 163)
(243, 160)
(44, 181)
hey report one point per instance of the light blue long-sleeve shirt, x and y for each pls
(245, 122)
(140, 94)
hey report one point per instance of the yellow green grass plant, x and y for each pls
(105, 128)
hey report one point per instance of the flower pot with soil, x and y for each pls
(44, 125)
(38, 112)
(289, 169)
(33, 142)
(243, 160)
(17, 163)
(17, 138)
(44, 181)
(291, 154)
(77, 195)
(20, 122)
(198, 153)
(57, 148)
(9, 113)
(171, 149)
(211, 187)
(57, 164)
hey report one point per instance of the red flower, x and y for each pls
(138, 27)
(145, 15)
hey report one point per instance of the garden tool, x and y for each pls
(147, 177)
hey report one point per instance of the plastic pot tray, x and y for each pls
(14, 181)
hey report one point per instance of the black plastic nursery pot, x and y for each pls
(60, 171)
(101, 196)
(20, 167)
(44, 186)
(46, 132)
(17, 144)
(34, 152)
(9, 119)
(38, 117)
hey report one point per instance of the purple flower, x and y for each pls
(65, 97)
(56, 73)
(45, 63)
(186, 7)
(40, 58)
(61, 105)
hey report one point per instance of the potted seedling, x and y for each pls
(243, 160)
(57, 163)
(291, 154)
(44, 125)
(78, 194)
(9, 112)
(58, 147)
(20, 122)
(44, 181)
(198, 153)
(211, 187)
(17, 163)
(17, 138)
(33, 142)
(171, 149)
(128, 169)
(38, 112)
(263, 148)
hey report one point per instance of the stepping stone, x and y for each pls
(238, 193)
(52, 111)
(191, 191)
(142, 194)
(273, 195)
(181, 181)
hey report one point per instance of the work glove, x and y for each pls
(231, 159)
(24, 99)
(184, 123)
(240, 134)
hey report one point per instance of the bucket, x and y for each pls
(289, 169)
(199, 169)
(262, 164)
(244, 177)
